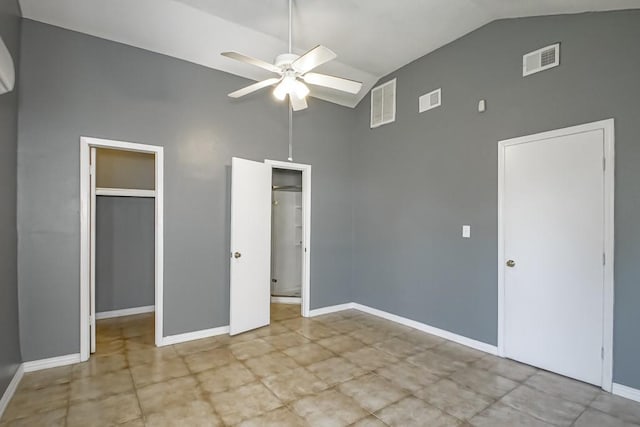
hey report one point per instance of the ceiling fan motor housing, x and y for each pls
(285, 60)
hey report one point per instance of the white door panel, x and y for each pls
(554, 231)
(250, 245)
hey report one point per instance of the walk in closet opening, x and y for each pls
(287, 250)
(122, 245)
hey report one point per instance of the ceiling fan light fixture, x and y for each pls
(301, 89)
(284, 88)
(292, 87)
(280, 92)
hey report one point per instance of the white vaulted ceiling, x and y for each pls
(371, 37)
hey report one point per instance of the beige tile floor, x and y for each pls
(341, 369)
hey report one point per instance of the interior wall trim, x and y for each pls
(51, 362)
(11, 389)
(196, 335)
(626, 392)
(125, 312)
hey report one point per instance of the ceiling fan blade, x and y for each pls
(338, 83)
(298, 103)
(254, 87)
(253, 61)
(313, 58)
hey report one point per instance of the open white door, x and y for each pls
(250, 245)
(92, 253)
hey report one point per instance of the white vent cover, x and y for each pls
(541, 59)
(383, 104)
(430, 100)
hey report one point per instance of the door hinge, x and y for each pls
(92, 170)
(604, 259)
(604, 163)
(602, 353)
(90, 320)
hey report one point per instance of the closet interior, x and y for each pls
(286, 236)
(124, 233)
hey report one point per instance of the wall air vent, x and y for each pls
(541, 59)
(430, 100)
(383, 104)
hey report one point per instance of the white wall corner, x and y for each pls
(52, 362)
(11, 389)
(626, 392)
(196, 335)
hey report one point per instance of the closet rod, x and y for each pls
(287, 187)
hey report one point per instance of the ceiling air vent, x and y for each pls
(541, 59)
(430, 100)
(383, 104)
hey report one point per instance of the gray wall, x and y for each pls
(9, 342)
(418, 180)
(413, 184)
(125, 169)
(73, 85)
(125, 252)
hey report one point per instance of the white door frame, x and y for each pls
(86, 143)
(607, 126)
(306, 226)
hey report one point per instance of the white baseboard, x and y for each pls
(190, 336)
(125, 312)
(478, 345)
(626, 392)
(330, 309)
(11, 389)
(52, 362)
(286, 300)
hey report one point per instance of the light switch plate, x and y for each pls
(466, 231)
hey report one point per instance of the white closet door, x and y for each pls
(250, 245)
(554, 245)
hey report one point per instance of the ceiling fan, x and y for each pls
(293, 72)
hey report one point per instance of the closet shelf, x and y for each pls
(124, 192)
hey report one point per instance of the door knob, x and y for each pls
(237, 255)
(511, 263)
